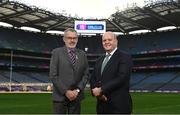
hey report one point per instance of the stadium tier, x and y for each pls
(44, 43)
(25, 56)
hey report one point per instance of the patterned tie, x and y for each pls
(72, 56)
(106, 59)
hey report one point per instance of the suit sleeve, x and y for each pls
(85, 77)
(53, 74)
(123, 75)
(93, 80)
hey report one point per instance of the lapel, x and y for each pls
(111, 61)
(99, 65)
(77, 63)
(66, 56)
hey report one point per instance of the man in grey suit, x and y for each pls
(69, 73)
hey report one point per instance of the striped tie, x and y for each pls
(72, 56)
(106, 59)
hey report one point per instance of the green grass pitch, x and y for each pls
(143, 103)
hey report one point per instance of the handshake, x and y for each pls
(98, 93)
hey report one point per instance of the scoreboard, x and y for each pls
(90, 26)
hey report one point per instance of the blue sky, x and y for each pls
(83, 8)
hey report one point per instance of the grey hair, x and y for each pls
(69, 30)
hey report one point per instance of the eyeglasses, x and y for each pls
(71, 38)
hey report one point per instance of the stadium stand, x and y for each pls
(154, 81)
(24, 55)
(174, 84)
(34, 63)
(150, 41)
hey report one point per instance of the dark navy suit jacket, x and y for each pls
(114, 82)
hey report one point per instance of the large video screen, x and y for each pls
(90, 26)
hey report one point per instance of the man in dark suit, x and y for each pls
(110, 79)
(69, 75)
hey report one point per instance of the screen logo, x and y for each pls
(90, 26)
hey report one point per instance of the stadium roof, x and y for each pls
(149, 17)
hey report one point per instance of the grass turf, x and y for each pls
(143, 103)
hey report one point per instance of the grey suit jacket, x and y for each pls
(65, 76)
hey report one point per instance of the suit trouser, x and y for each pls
(64, 107)
(103, 107)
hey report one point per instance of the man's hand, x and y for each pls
(97, 91)
(71, 94)
(102, 98)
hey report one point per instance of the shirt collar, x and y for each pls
(112, 52)
(71, 49)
